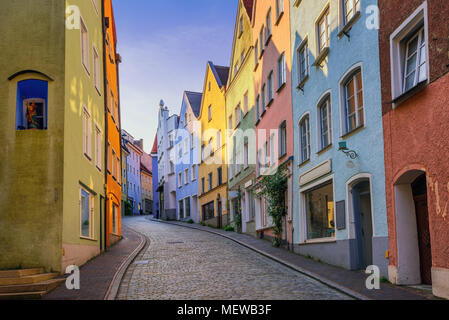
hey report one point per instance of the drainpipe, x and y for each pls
(105, 95)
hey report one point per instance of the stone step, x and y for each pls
(22, 295)
(20, 273)
(46, 286)
(27, 279)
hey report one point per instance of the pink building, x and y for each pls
(273, 92)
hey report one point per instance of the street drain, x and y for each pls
(175, 242)
(142, 262)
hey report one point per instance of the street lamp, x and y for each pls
(349, 153)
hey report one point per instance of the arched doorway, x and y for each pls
(363, 222)
(413, 231)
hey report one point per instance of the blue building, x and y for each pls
(154, 169)
(133, 172)
(187, 158)
(339, 176)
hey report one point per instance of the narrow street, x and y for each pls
(181, 263)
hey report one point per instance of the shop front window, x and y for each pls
(320, 212)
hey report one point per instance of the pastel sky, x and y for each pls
(165, 46)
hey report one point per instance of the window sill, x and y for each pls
(88, 239)
(348, 26)
(302, 164)
(256, 66)
(408, 94)
(267, 41)
(282, 86)
(353, 132)
(300, 86)
(261, 54)
(325, 149)
(88, 157)
(318, 241)
(321, 57)
(281, 157)
(269, 103)
(278, 20)
(98, 90)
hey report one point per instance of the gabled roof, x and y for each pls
(249, 7)
(145, 169)
(223, 73)
(195, 102)
(154, 150)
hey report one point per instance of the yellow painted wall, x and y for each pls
(80, 90)
(213, 95)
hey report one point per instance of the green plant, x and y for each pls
(128, 209)
(273, 189)
(202, 224)
(212, 226)
(384, 280)
(228, 228)
(190, 221)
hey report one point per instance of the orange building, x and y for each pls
(113, 127)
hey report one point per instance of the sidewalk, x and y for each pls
(101, 277)
(349, 282)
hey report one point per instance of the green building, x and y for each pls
(52, 111)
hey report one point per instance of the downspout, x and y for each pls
(106, 132)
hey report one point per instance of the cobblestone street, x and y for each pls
(185, 264)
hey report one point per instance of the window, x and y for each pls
(279, 8)
(270, 87)
(96, 70)
(257, 108)
(272, 150)
(192, 141)
(185, 120)
(181, 209)
(203, 188)
(323, 29)
(95, 3)
(245, 103)
(186, 145)
(415, 62)
(263, 99)
(119, 172)
(350, 8)
(210, 181)
(186, 176)
(237, 113)
(31, 108)
(319, 205)
(187, 207)
(246, 155)
(231, 125)
(283, 139)
(219, 176)
(114, 165)
(304, 130)
(256, 53)
(84, 45)
(354, 112)
(87, 138)
(268, 28)
(193, 172)
(219, 144)
(242, 57)
(261, 41)
(303, 62)
(210, 113)
(115, 219)
(87, 214)
(179, 180)
(325, 125)
(98, 147)
(112, 106)
(281, 71)
(241, 26)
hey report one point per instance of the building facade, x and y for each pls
(187, 158)
(155, 171)
(133, 173)
(273, 106)
(146, 178)
(240, 115)
(124, 157)
(52, 105)
(213, 173)
(113, 127)
(166, 132)
(414, 68)
(340, 212)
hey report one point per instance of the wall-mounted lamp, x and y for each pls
(349, 153)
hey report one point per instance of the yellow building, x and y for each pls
(213, 169)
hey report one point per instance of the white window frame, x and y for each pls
(355, 7)
(84, 44)
(96, 69)
(270, 86)
(327, 31)
(418, 64)
(98, 144)
(279, 8)
(282, 71)
(345, 117)
(186, 176)
(95, 4)
(325, 99)
(303, 51)
(87, 133)
(269, 26)
(418, 17)
(305, 119)
(91, 199)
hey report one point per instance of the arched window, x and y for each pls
(304, 131)
(354, 101)
(325, 122)
(31, 106)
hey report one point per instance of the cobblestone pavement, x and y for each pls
(185, 264)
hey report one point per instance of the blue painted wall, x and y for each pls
(345, 53)
(154, 169)
(134, 186)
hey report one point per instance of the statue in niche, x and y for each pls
(32, 117)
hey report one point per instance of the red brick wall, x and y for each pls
(416, 133)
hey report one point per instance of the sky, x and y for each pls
(165, 46)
